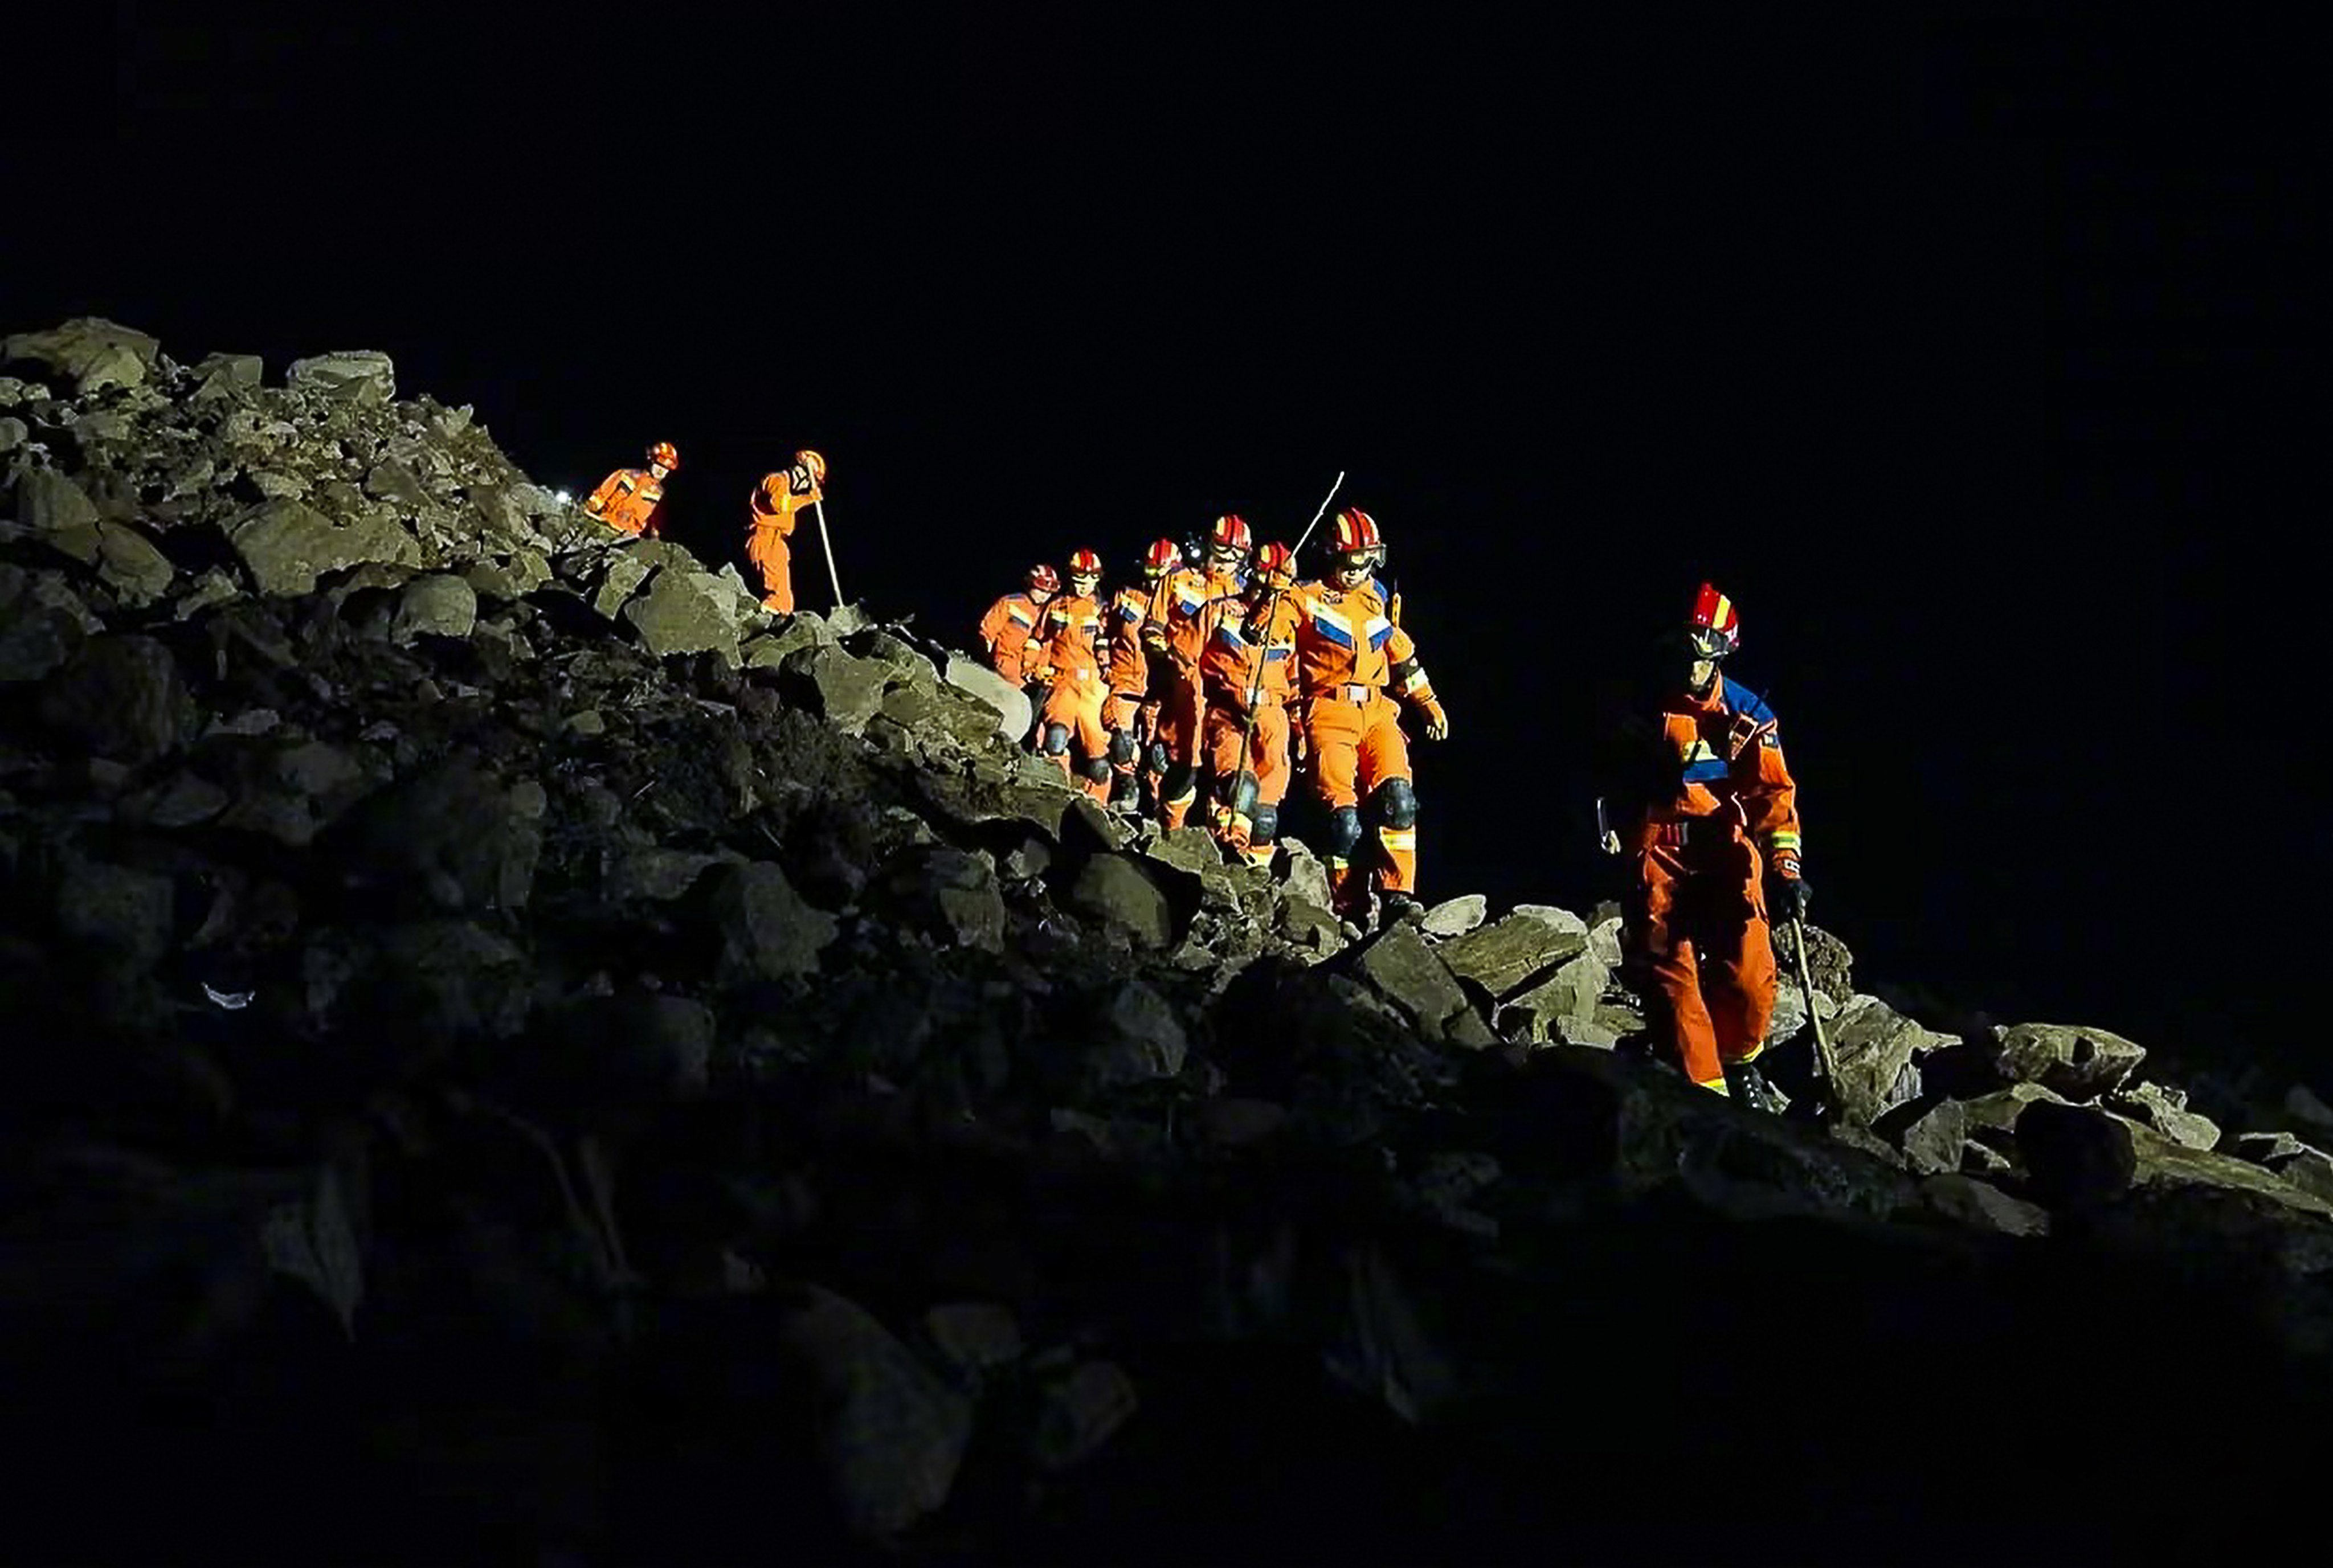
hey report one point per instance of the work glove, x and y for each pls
(1786, 890)
(1438, 723)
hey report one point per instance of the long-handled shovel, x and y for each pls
(1827, 1090)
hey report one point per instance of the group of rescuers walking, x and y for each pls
(1227, 676)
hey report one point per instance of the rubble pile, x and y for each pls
(515, 1049)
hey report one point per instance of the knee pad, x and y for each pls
(1057, 739)
(1394, 804)
(1097, 770)
(1344, 832)
(1121, 748)
(1181, 783)
(1157, 761)
(1241, 796)
(1263, 825)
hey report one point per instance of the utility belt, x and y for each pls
(1225, 696)
(1695, 832)
(1351, 691)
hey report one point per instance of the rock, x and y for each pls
(1558, 920)
(973, 1336)
(122, 699)
(42, 623)
(92, 353)
(313, 1239)
(49, 502)
(985, 686)
(286, 545)
(2074, 1061)
(1982, 1206)
(2165, 1110)
(362, 376)
(1114, 890)
(1456, 917)
(1508, 954)
(445, 837)
(885, 648)
(685, 612)
(179, 801)
(129, 563)
(1999, 1113)
(1877, 1051)
(1077, 1414)
(1930, 1136)
(225, 373)
(1136, 1038)
(1398, 965)
(2076, 1155)
(768, 931)
(1300, 873)
(636, 1047)
(436, 605)
(2311, 1170)
(843, 689)
(653, 873)
(13, 433)
(624, 573)
(291, 792)
(1563, 1005)
(945, 893)
(2268, 1149)
(123, 915)
(889, 1435)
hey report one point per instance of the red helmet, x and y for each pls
(1163, 557)
(1230, 532)
(1084, 563)
(664, 456)
(814, 463)
(1045, 579)
(1355, 533)
(1275, 566)
(1714, 629)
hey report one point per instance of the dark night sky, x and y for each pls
(1962, 357)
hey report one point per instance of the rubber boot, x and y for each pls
(1750, 1088)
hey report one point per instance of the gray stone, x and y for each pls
(1456, 917)
(1562, 1004)
(1136, 1038)
(769, 931)
(587, 721)
(843, 689)
(1548, 915)
(1506, 955)
(2165, 1110)
(653, 873)
(636, 1047)
(1877, 1050)
(1400, 966)
(123, 915)
(1114, 890)
(13, 433)
(129, 563)
(885, 648)
(277, 486)
(948, 894)
(436, 605)
(1931, 1138)
(2270, 1148)
(2311, 1170)
(42, 623)
(889, 1435)
(1011, 704)
(1077, 1414)
(89, 352)
(447, 838)
(973, 1336)
(364, 376)
(241, 372)
(286, 545)
(49, 502)
(624, 573)
(179, 801)
(1301, 874)
(1310, 925)
(1982, 1206)
(2077, 1062)
(123, 698)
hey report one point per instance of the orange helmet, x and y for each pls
(1275, 566)
(664, 456)
(1714, 629)
(1230, 532)
(1355, 533)
(1163, 557)
(814, 463)
(1045, 579)
(1084, 563)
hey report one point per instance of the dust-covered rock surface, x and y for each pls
(516, 1053)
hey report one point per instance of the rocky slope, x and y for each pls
(516, 1054)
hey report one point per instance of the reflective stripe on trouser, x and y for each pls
(1267, 759)
(1355, 749)
(1077, 704)
(1698, 939)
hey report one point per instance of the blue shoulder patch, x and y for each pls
(1739, 699)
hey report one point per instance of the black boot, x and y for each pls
(1749, 1086)
(1398, 906)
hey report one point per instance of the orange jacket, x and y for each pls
(1067, 649)
(1728, 759)
(1187, 608)
(1227, 666)
(1006, 629)
(1346, 637)
(627, 500)
(774, 504)
(1130, 612)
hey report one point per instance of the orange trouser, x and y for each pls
(1698, 942)
(770, 554)
(1135, 717)
(1179, 714)
(1357, 747)
(1076, 705)
(1266, 757)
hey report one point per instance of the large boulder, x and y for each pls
(360, 375)
(1136, 1036)
(286, 545)
(1011, 704)
(122, 697)
(1401, 966)
(449, 837)
(685, 612)
(129, 563)
(948, 894)
(1117, 891)
(1509, 953)
(437, 605)
(768, 932)
(1877, 1051)
(1562, 1006)
(42, 623)
(89, 352)
(841, 688)
(2071, 1060)
(48, 502)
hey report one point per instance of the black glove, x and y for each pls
(1786, 899)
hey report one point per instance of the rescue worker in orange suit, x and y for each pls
(1132, 715)
(1182, 618)
(628, 498)
(1011, 621)
(1248, 675)
(770, 530)
(1350, 656)
(1705, 808)
(1067, 655)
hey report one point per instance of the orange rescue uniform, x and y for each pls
(1697, 922)
(1006, 630)
(627, 500)
(1250, 653)
(1068, 652)
(1184, 614)
(1349, 652)
(769, 534)
(1131, 712)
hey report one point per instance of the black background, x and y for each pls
(1976, 359)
